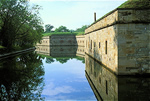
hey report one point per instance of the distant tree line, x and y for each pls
(49, 27)
(20, 24)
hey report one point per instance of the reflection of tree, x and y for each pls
(62, 60)
(49, 60)
(21, 78)
(80, 59)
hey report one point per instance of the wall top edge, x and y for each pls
(116, 10)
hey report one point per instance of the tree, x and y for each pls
(48, 28)
(20, 24)
(82, 29)
(62, 29)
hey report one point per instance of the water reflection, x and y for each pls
(21, 78)
(60, 53)
(108, 87)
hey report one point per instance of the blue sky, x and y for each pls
(74, 13)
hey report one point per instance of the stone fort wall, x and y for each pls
(120, 41)
(63, 40)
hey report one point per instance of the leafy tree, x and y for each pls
(20, 24)
(48, 28)
(62, 29)
(82, 29)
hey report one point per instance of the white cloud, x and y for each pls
(51, 90)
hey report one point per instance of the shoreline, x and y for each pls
(16, 52)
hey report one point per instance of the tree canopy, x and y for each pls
(62, 29)
(20, 23)
(48, 28)
(82, 29)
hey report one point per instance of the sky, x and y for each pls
(74, 13)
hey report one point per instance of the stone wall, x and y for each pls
(80, 40)
(45, 41)
(63, 40)
(120, 41)
(133, 48)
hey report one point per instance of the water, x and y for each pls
(38, 77)
(63, 75)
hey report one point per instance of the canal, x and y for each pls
(66, 73)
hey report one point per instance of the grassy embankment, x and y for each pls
(64, 33)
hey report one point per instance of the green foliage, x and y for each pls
(62, 29)
(22, 78)
(20, 24)
(48, 28)
(135, 4)
(63, 33)
(82, 29)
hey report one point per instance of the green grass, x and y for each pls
(136, 4)
(64, 33)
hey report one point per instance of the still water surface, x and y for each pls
(34, 76)
(38, 77)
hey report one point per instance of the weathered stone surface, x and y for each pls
(124, 44)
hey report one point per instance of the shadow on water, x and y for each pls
(108, 87)
(21, 77)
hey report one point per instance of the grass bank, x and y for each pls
(66, 33)
(136, 4)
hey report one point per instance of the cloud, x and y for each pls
(51, 90)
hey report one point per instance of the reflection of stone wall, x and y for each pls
(109, 87)
(45, 50)
(120, 41)
(80, 51)
(63, 51)
(105, 83)
(60, 51)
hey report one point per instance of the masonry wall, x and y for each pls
(80, 40)
(96, 46)
(117, 41)
(45, 41)
(133, 42)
